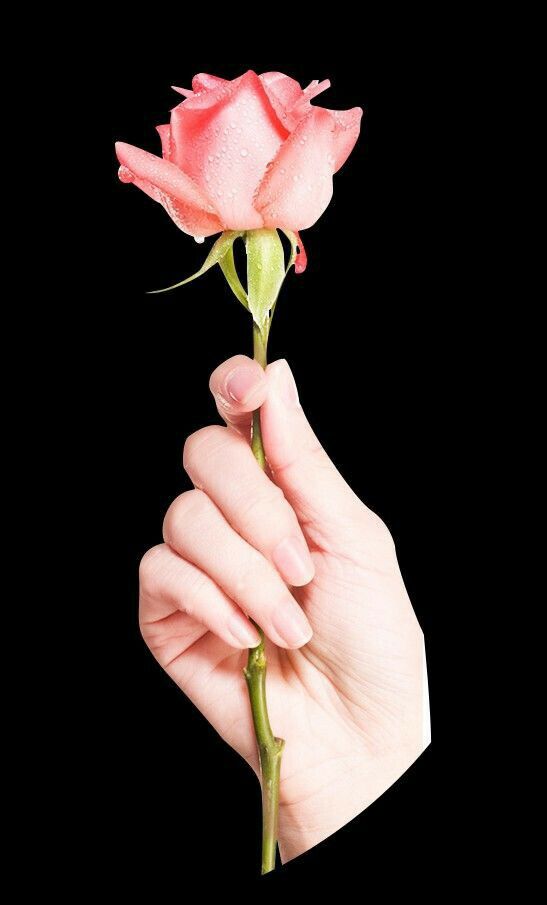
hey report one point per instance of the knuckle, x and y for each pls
(184, 509)
(149, 571)
(269, 500)
(203, 442)
(192, 594)
(250, 574)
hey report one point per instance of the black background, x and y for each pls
(365, 335)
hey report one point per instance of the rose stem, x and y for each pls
(269, 748)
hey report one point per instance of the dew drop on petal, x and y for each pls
(330, 159)
(199, 239)
(210, 158)
(244, 152)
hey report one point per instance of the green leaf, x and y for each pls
(215, 256)
(228, 267)
(265, 272)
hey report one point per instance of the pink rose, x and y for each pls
(245, 154)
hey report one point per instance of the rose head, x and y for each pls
(246, 154)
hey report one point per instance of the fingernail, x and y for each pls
(241, 382)
(243, 631)
(284, 383)
(293, 560)
(289, 621)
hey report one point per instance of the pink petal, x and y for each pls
(163, 181)
(316, 87)
(165, 135)
(301, 260)
(283, 93)
(186, 92)
(224, 140)
(204, 82)
(347, 124)
(298, 186)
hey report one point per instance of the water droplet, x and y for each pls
(219, 193)
(223, 149)
(330, 159)
(302, 141)
(199, 239)
(244, 152)
(210, 158)
(232, 125)
(207, 177)
(282, 170)
(296, 177)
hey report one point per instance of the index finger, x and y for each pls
(239, 387)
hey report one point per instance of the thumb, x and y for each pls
(300, 466)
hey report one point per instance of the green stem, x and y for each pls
(269, 748)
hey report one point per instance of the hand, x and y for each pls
(298, 552)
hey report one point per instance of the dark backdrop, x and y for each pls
(364, 333)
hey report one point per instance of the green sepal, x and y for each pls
(215, 256)
(228, 267)
(265, 272)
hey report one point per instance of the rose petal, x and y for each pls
(283, 93)
(316, 87)
(204, 82)
(347, 124)
(224, 140)
(165, 135)
(163, 181)
(186, 92)
(301, 260)
(298, 186)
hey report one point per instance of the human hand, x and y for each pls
(344, 648)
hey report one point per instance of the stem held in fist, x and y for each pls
(270, 749)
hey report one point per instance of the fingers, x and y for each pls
(169, 585)
(239, 387)
(222, 464)
(198, 531)
(299, 464)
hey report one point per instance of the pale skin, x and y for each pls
(297, 551)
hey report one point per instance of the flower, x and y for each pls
(245, 154)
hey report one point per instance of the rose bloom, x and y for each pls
(245, 154)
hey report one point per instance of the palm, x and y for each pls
(333, 700)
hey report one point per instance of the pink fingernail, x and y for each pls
(240, 383)
(289, 621)
(285, 383)
(243, 631)
(293, 560)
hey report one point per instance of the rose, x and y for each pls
(245, 154)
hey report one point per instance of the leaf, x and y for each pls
(215, 256)
(265, 272)
(228, 267)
